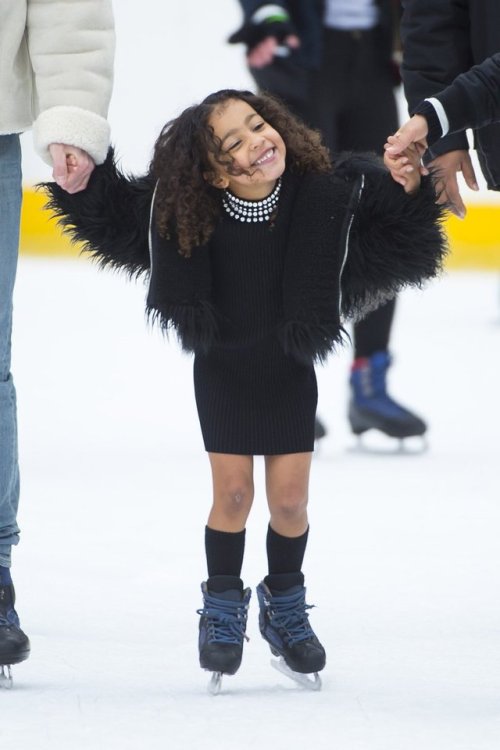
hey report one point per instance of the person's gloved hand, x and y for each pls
(267, 21)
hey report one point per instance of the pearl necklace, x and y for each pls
(252, 211)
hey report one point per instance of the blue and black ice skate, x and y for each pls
(284, 624)
(222, 631)
(14, 644)
(372, 408)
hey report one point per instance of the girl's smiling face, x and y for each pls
(256, 150)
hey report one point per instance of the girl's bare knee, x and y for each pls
(289, 508)
(236, 501)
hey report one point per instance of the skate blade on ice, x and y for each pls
(6, 680)
(215, 684)
(379, 444)
(309, 682)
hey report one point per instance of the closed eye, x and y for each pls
(233, 146)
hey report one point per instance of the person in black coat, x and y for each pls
(442, 40)
(471, 101)
(334, 64)
(256, 249)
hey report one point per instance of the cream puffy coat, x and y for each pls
(56, 72)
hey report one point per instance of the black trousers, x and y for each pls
(351, 100)
(353, 104)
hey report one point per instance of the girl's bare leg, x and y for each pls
(233, 491)
(287, 487)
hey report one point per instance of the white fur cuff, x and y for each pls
(72, 126)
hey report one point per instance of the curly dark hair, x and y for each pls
(185, 201)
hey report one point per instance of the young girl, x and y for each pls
(256, 248)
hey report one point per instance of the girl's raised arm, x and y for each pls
(110, 218)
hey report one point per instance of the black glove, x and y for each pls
(252, 34)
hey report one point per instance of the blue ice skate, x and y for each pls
(223, 621)
(284, 624)
(371, 407)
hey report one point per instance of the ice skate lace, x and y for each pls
(288, 613)
(226, 620)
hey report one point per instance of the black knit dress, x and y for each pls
(252, 398)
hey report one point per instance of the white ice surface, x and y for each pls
(402, 563)
(404, 554)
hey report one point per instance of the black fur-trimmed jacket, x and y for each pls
(355, 239)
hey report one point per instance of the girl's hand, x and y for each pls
(72, 167)
(413, 131)
(406, 168)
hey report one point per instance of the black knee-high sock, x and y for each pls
(224, 550)
(285, 554)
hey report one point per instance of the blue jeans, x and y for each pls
(10, 210)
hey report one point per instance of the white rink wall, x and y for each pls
(170, 55)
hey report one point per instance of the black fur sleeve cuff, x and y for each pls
(396, 240)
(195, 325)
(110, 218)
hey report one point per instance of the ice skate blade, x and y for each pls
(384, 445)
(6, 681)
(304, 680)
(215, 684)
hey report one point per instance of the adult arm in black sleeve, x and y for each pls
(435, 37)
(473, 99)
(436, 48)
